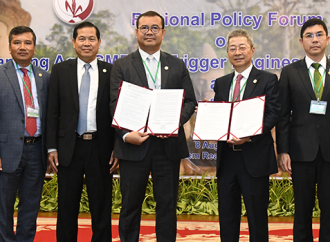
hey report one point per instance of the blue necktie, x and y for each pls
(83, 100)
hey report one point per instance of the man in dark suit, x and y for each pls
(244, 165)
(80, 138)
(303, 141)
(23, 154)
(140, 154)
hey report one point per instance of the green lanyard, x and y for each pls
(232, 91)
(321, 83)
(26, 87)
(153, 78)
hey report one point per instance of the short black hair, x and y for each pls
(84, 25)
(21, 30)
(312, 22)
(150, 14)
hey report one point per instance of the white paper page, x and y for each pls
(212, 121)
(132, 107)
(247, 118)
(165, 111)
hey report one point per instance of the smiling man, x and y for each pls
(80, 138)
(303, 139)
(244, 165)
(140, 154)
(23, 155)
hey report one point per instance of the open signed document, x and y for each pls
(227, 120)
(157, 112)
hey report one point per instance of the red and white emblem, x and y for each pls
(73, 11)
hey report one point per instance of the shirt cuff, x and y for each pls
(124, 137)
(51, 150)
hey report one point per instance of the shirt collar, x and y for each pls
(309, 62)
(19, 67)
(81, 64)
(245, 73)
(144, 54)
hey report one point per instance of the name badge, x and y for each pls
(32, 113)
(318, 107)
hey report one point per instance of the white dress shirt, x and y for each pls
(156, 55)
(322, 69)
(94, 86)
(245, 75)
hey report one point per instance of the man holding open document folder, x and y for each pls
(140, 153)
(244, 164)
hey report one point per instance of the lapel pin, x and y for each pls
(40, 74)
(166, 68)
(255, 81)
(329, 72)
(104, 70)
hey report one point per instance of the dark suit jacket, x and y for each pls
(12, 115)
(176, 76)
(259, 155)
(301, 134)
(63, 111)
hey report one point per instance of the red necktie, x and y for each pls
(31, 123)
(237, 88)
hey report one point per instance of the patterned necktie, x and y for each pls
(237, 88)
(83, 100)
(317, 81)
(31, 123)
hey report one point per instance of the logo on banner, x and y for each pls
(73, 11)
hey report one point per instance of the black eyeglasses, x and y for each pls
(154, 29)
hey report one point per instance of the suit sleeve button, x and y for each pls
(23, 121)
(21, 138)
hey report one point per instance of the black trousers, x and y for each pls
(233, 181)
(28, 180)
(98, 180)
(133, 181)
(305, 175)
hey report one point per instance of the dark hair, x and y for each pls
(150, 14)
(84, 25)
(311, 22)
(21, 30)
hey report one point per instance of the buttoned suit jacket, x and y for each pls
(259, 155)
(300, 133)
(175, 76)
(63, 111)
(12, 115)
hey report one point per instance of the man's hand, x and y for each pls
(53, 160)
(238, 141)
(136, 138)
(113, 162)
(284, 161)
(162, 136)
(0, 165)
(196, 107)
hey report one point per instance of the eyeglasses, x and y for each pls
(311, 35)
(233, 49)
(145, 29)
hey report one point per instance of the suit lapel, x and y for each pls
(73, 82)
(12, 77)
(138, 65)
(225, 87)
(304, 75)
(102, 82)
(39, 83)
(326, 88)
(164, 71)
(251, 83)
